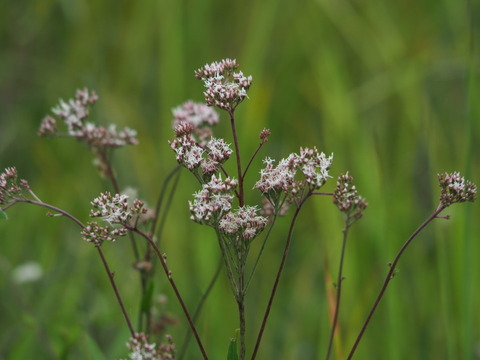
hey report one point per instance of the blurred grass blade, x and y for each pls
(93, 349)
(3, 215)
(232, 349)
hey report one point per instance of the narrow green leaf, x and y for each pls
(232, 349)
(3, 215)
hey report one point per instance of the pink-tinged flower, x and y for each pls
(347, 200)
(218, 150)
(455, 189)
(275, 179)
(189, 154)
(243, 224)
(141, 349)
(74, 113)
(97, 234)
(9, 188)
(196, 114)
(314, 166)
(116, 209)
(213, 201)
(225, 88)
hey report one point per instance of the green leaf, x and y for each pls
(3, 215)
(232, 349)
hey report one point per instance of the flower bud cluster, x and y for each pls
(191, 155)
(314, 167)
(98, 234)
(455, 189)
(140, 348)
(74, 113)
(213, 201)
(244, 223)
(225, 87)
(9, 188)
(115, 209)
(346, 197)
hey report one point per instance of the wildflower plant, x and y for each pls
(219, 203)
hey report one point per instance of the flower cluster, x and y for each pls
(191, 155)
(98, 234)
(346, 198)
(141, 349)
(455, 189)
(314, 167)
(197, 114)
(9, 188)
(115, 209)
(225, 87)
(213, 201)
(244, 223)
(200, 116)
(74, 113)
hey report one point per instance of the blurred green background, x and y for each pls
(390, 87)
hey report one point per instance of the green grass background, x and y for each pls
(390, 87)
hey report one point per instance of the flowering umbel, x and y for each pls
(74, 114)
(141, 349)
(455, 189)
(115, 209)
(9, 187)
(310, 164)
(347, 200)
(213, 201)
(225, 87)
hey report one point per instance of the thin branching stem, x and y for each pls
(390, 276)
(160, 199)
(277, 278)
(252, 158)
(100, 252)
(241, 195)
(168, 273)
(257, 260)
(339, 287)
(200, 307)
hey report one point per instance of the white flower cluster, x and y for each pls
(213, 201)
(244, 223)
(74, 113)
(225, 87)
(314, 167)
(191, 155)
(115, 209)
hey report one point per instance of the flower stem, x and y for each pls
(339, 288)
(277, 278)
(199, 307)
(100, 252)
(390, 276)
(241, 196)
(241, 313)
(168, 273)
